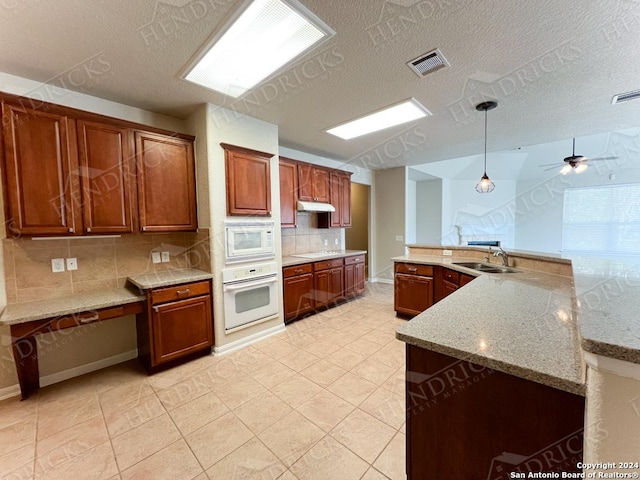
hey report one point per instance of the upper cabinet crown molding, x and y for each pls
(69, 172)
(248, 181)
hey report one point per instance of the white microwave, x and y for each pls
(246, 241)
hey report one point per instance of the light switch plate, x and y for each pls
(57, 265)
(72, 263)
(399, 238)
(448, 253)
(165, 257)
(155, 257)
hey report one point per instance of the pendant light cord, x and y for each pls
(485, 142)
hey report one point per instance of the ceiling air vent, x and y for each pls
(625, 97)
(427, 63)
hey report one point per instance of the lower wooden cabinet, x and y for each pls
(412, 288)
(298, 291)
(178, 324)
(354, 276)
(328, 282)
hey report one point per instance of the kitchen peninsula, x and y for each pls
(504, 354)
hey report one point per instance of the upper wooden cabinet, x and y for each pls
(105, 166)
(288, 193)
(69, 172)
(166, 183)
(313, 183)
(41, 171)
(248, 181)
(340, 199)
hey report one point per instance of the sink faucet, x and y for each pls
(504, 255)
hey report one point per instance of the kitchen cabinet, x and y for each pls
(465, 420)
(105, 154)
(42, 193)
(248, 180)
(298, 291)
(288, 193)
(354, 276)
(448, 281)
(328, 282)
(166, 183)
(340, 183)
(178, 324)
(412, 288)
(69, 172)
(313, 183)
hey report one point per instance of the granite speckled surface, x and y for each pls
(30, 311)
(520, 253)
(523, 324)
(290, 261)
(147, 281)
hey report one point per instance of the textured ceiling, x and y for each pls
(552, 65)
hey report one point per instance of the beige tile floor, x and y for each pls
(322, 400)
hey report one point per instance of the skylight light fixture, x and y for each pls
(397, 114)
(261, 38)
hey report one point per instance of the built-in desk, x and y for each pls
(26, 320)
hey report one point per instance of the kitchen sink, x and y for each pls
(487, 267)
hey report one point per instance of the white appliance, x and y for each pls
(250, 294)
(247, 241)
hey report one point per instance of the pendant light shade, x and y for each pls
(485, 185)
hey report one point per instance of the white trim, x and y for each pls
(87, 368)
(388, 281)
(243, 342)
(613, 365)
(10, 392)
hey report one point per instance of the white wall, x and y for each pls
(389, 201)
(411, 212)
(475, 216)
(429, 212)
(225, 126)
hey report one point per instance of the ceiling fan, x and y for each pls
(577, 163)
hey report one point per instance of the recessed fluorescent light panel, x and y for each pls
(398, 114)
(263, 37)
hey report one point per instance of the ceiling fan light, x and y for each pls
(566, 169)
(581, 167)
(485, 185)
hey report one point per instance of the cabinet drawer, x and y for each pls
(414, 269)
(354, 260)
(326, 264)
(179, 292)
(297, 270)
(450, 276)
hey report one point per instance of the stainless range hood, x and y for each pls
(315, 207)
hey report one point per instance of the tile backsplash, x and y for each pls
(309, 238)
(103, 263)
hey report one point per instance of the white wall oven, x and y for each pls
(248, 241)
(250, 294)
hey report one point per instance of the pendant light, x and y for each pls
(485, 185)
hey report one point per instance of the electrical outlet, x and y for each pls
(165, 257)
(326, 242)
(72, 263)
(155, 257)
(335, 241)
(57, 265)
(448, 253)
(399, 238)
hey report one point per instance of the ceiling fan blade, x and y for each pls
(602, 158)
(552, 168)
(552, 165)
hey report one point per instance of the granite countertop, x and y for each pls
(524, 324)
(292, 260)
(29, 311)
(167, 278)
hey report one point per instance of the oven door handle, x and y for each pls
(245, 285)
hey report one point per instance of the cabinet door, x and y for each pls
(180, 328)
(336, 283)
(288, 193)
(41, 165)
(345, 200)
(248, 181)
(320, 181)
(413, 294)
(349, 280)
(321, 288)
(359, 276)
(166, 183)
(448, 288)
(335, 218)
(105, 161)
(305, 187)
(298, 296)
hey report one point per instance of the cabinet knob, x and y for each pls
(89, 230)
(72, 230)
(144, 229)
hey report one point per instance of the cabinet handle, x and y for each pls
(182, 292)
(299, 270)
(92, 318)
(144, 229)
(88, 229)
(72, 230)
(412, 269)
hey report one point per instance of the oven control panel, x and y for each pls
(250, 271)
